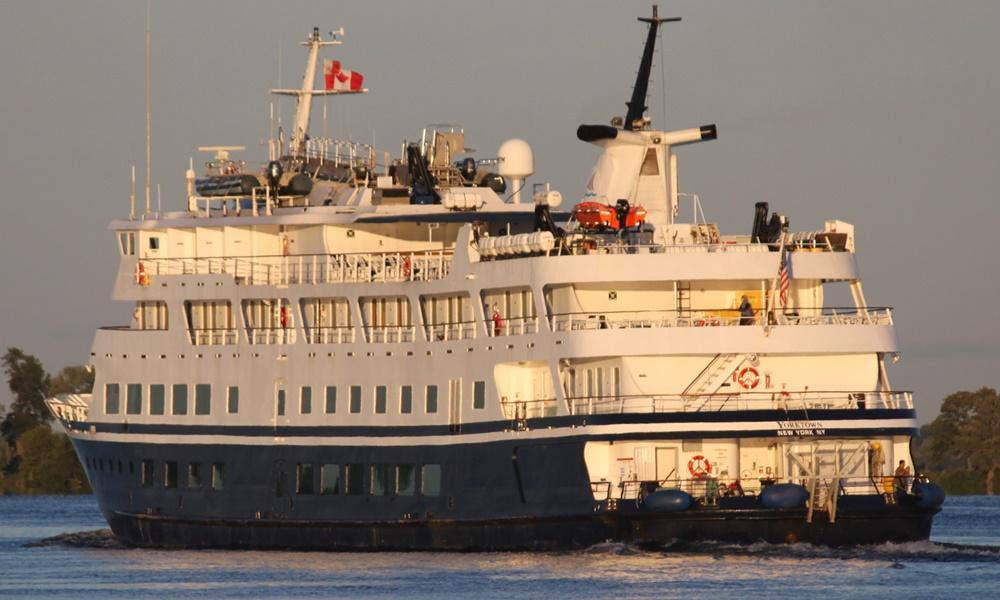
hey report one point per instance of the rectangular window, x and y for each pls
(355, 399)
(380, 480)
(146, 473)
(304, 479)
(180, 399)
(233, 400)
(194, 475)
(112, 402)
(432, 398)
(329, 479)
(133, 399)
(331, 399)
(406, 480)
(281, 403)
(218, 476)
(430, 480)
(157, 398)
(354, 480)
(406, 399)
(203, 399)
(170, 474)
(306, 400)
(479, 394)
(380, 393)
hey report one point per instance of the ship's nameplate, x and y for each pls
(801, 428)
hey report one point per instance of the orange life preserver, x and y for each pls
(699, 466)
(141, 277)
(407, 267)
(699, 323)
(748, 378)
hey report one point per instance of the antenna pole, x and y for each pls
(131, 198)
(637, 105)
(149, 127)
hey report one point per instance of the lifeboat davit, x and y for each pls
(595, 216)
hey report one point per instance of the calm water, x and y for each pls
(949, 566)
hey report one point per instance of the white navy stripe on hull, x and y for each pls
(688, 430)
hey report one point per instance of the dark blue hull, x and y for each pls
(509, 495)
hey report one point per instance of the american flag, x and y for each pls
(783, 277)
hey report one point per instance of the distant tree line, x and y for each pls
(960, 449)
(35, 458)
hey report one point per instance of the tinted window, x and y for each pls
(112, 402)
(218, 476)
(304, 479)
(203, 399)
(146, 473)
(354, 476)
(432, 398)
(380, 480)
(406, 480)
(380, 399)
(431, 480)
(157, 396)
(233, 400)
(194, 475)
(170, 474)
(133, 400)
(479, 394)
(329, 479)
(405, 399)
(331, 399)
(355, 399)
(306, 400)
(281, 403)
(180, 399)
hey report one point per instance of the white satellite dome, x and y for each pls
(516, 159)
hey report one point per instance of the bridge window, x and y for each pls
(180, 399)
(133, 399)
(112, 399)
(157, 396)
(203, 399)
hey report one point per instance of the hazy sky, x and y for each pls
(883, 114)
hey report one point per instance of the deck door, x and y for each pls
(455, 404)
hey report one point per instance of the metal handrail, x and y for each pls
(709, 488)
(772, 400)
(715, 317)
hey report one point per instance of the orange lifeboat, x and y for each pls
(595, 216)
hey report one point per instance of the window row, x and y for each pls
(180, 394)
(168, 475)
(349, 480)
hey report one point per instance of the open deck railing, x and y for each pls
(310, 268)
(709, 489)
(588, 243)
(779, 400)
(343, 334)
(720, 317)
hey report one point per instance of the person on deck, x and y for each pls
(902, 476)
(746, 311)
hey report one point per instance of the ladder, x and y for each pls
(683, 299)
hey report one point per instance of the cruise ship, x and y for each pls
(345, 350)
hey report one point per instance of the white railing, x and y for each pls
(69, 407)
(780, 400)
(512, 326)
(446, 332)
(213, 337)
(631, 243)
(310, 268)
(390, 334)
(271, 335)
(330, 335)
(581, 321)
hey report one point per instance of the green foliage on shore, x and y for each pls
(960, 449)
(34, 458)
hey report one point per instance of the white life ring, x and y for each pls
(748, 378)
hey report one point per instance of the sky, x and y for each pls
(885, 114)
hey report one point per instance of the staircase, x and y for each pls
(714, 375)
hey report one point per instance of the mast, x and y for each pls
(637, 105)
(149, 117)
(303, 108)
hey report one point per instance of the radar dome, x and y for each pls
(516, 159)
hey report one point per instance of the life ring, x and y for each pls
(407, 267)
(699, 466)
(748, 378)
(141, 277)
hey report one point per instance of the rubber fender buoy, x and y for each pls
(927, 495)
(664, 500)
(784, 495)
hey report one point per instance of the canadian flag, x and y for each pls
(340, 80)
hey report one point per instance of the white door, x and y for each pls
(666, 465)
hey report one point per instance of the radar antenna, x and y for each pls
(637, 105)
